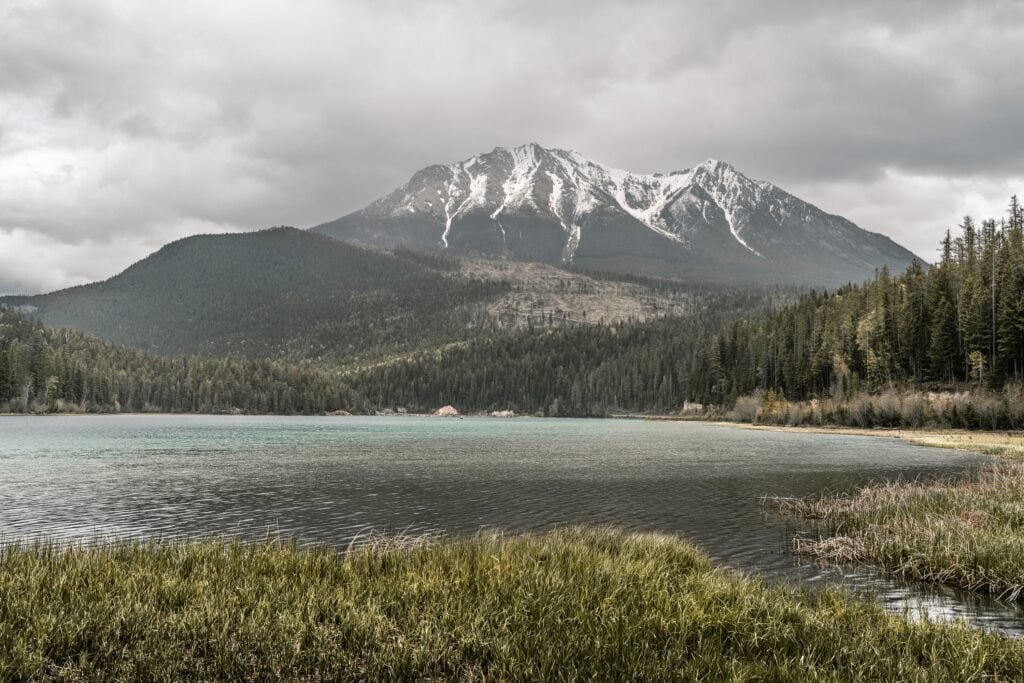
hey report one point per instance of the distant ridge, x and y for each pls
(281, 293)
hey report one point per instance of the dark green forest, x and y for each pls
(960, 321)
(940, 346)
(59, 370)
(556, 370)
(563, 371)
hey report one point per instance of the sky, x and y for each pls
(127, 125)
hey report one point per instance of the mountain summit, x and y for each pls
(708, 223)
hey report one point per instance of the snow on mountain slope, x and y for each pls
(555, 205)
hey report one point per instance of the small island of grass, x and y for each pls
(967, 533)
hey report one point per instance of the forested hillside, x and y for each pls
(310, 300)
(957, 324)
(49, 370)
(586, 369)
(554, 369)
(284, 294)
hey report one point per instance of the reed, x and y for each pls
(967, 533)
(975, 409)
(567, 605)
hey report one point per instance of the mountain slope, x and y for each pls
(279, 293)
(708, 223)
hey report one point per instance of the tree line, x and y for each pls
(957, 324)
(577, 370)
(586, 369)
(59, 370)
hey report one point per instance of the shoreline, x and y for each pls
(996, 443)
(963, 533)
(985, 442)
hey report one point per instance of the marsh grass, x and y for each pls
(966, 533)
(976, 409)
(565, 605)
(1005, 444)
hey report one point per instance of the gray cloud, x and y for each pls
(127, 126)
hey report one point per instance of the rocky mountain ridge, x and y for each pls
(557, 206)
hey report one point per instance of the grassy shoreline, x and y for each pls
(564, 605)
(966, 533)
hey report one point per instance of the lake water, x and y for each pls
(331, 480)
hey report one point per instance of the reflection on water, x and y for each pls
(326, 480)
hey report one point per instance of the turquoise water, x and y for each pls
(333, 480)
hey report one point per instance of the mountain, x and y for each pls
(279, 293)
(300, 297)
(709, 223)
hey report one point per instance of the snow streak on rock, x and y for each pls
(573, 231)
(565, 187)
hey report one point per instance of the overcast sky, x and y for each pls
(125, 125)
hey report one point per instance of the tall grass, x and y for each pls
(566, 605)
(977, 409)
(1005, 444)
(965, 533)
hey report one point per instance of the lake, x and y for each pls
(334, 479)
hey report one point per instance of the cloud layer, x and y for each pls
(126, 125)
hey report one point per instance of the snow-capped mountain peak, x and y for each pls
(557, 205)
(567, 186)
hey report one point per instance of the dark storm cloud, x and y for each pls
(126, 126)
